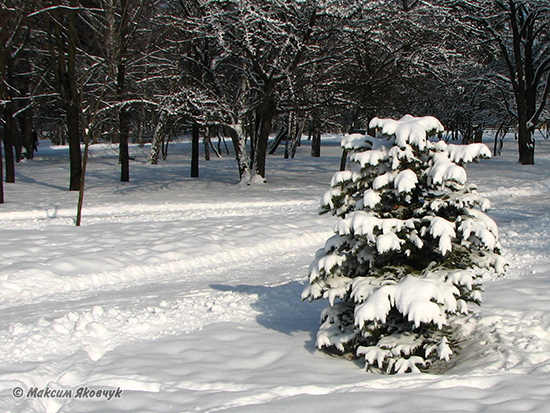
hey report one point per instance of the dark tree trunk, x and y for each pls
(63, 52)
(123, 127)
(316, 137)
(526, 145)
(75, 154)
(526, 67)
(206, 142)
(261, 148)
(123, 115)
(10, 135)
(264, 120)
(316, 144)
(10, 128)
(1, 177)
(27, 133)
(343, 159)
(195, 151)
(124, 156)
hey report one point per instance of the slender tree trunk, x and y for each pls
(288, 138)
(124, 156)
(158, 138)
(140, 128)
(123, 127)
(63, 52)
(195, 151)
(80, 203)
(254, 132)
(73, 102)
(27, 135)
(500, 133)
(75, 153)
(6, 94)
(343, 159)
(316, 144)
(123, 115)
(316, 137)
(206, 142)
(10, 131)
(1, 177)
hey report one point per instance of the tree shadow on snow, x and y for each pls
(281, 309)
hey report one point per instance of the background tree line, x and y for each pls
(111, 70)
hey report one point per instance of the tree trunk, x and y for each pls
(526, 145)
(316, 144)
(158, 138)
(254, 132)
(206, 142)
(296, 137)
(123, 126)
(343, 159)
(6, 95)
(478, 135)
(124, 156)
(10, 131)
(27, 133)
(75, 154)
(261, 147)
(72, 96)
(123, 115)
(243, 161)
(316, 137)
(63, 52)
(195, 151)
(1, 177)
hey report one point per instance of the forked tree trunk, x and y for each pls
(158, 138)
(241, 156)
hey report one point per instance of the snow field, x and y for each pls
(186, 293)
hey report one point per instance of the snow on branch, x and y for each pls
(408, 130)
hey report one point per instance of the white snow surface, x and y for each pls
(185, 293)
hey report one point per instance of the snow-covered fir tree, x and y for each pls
(409, 250)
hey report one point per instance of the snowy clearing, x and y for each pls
(184, 294)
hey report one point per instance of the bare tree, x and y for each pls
(519, 30)
(527, 57)
(61, 20)
(124, 30)
(13, 16)
(267, 42)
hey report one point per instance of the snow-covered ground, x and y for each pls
(184, 294)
